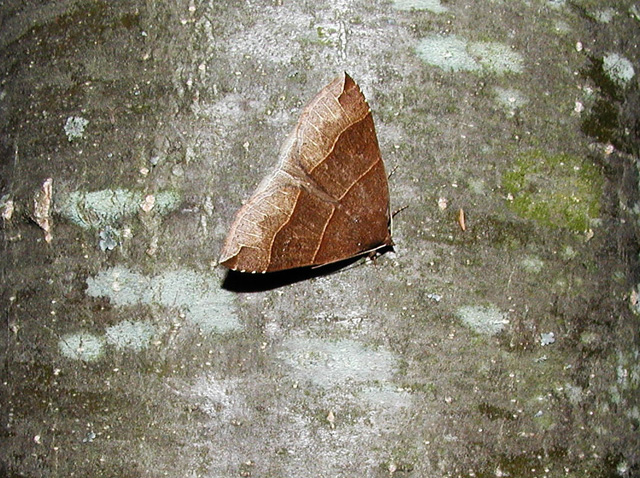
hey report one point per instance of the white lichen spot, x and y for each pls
(510, 99)
(446, 52)
(434, 6)
(329, 364)
(121, 286)
(74, 127)
(177, 171)
(108, 207)
(547, 338)
(562, 27)
(127, 335)
(81, 346)
(497, 58)
(483, 320)
(556, 4)
(200, 297)
(568, 253)
(623, 468)
(109, 238)
(532, 264)
(618, 68)
(605, 15)
(453, 53)
(219, 398)
(387, 397)
(208, 306)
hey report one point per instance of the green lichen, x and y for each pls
(558, 191)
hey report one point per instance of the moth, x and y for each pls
(328, 198)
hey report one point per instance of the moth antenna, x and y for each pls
(393, 214)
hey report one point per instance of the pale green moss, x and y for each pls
(554, 190)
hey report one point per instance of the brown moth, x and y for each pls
(328, 199)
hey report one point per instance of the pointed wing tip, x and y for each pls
(348, 82)
(348, 85)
